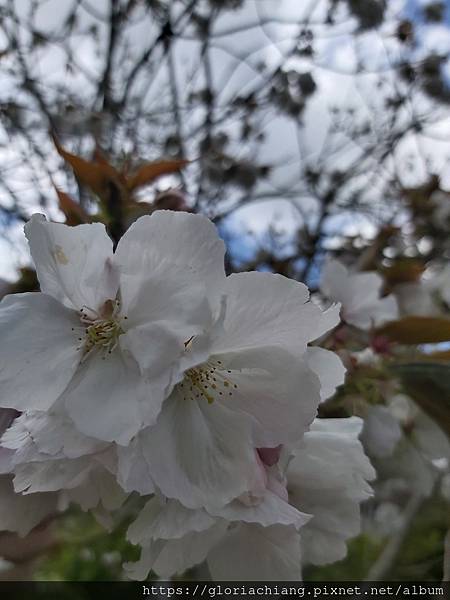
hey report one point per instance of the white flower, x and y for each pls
(329, 369)
(408, 445)
(49, 455)
(247, 383)
(328, 479)
(240, 542)
(105, 336)
(381, 432)
(359, 294)
(7, 416)
(416, 298)
(18, 513)
(21, 514)
(264, 540)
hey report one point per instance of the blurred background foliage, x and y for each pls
(300, 128)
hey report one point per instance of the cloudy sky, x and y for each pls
(263, 30)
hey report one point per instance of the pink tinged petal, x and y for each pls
(200, 453)
(257, 491)
(108, 398)
(38, 353)
(255, 553)
(73, 264)
(264, 309)
(22, 513)
(277, 484)
(270, 456)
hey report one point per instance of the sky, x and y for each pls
(336, 86)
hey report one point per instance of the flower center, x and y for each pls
(209, 381)
(101, 329)
(104, 333)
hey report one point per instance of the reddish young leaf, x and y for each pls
(151, 171)
(74, 213)
(95, 175)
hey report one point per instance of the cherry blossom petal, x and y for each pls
(264, 309)
(157, 352)
(255, 553)
(359, 294)
(168, 296)
(329, 369)
(73, 264)
(199, 453)
(169, 240)
(22, 513)
(49, 434)
(381, 432)
(98, 489)
(279, 392)
(167, 520)
(51, 475)
(328, 478)
(133, 472)
(38, 353)
(273, 510)
(108, 399)
(174, 557)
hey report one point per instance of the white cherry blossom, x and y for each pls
(105, 335)
(359, 294)
(18, 513)
(407, 444)
(51, 461)
(305, 512)
(247, 383)
(328, 478)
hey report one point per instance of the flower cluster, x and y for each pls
(406, 441)
(147, 371)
